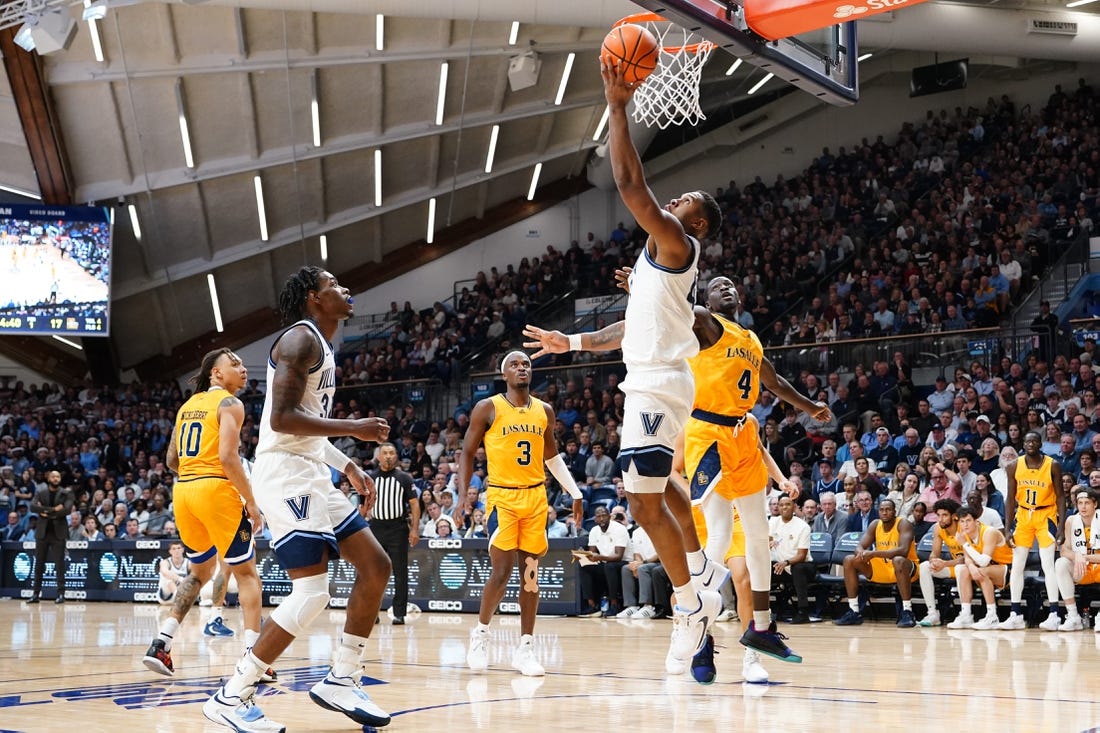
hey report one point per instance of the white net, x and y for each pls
(670, 95)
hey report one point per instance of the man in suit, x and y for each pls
(52, 505)
(865, 513)
(13, 530)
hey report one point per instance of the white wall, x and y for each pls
(9, 368)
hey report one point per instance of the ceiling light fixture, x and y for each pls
(762, 82)
(378, 177)
(431, 220)
(134, 223)
(441, 102)
(865, 56)
(324, 247)
(602, 124)
(534, 182)
(565, 77)
(185, 129)
(261, 210)
(379, 32)
(492, 148)
(315, 109)
(513, 35)
(214, 304)
(67, 342)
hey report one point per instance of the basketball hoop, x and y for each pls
(670, 95)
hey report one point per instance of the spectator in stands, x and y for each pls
(864, 513)
(607, 542)
(13, 530)
(830, 519)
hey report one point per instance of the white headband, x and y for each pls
(504, 361)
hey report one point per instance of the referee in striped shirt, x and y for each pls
(395, 522)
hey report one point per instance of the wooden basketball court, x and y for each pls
(76, 668)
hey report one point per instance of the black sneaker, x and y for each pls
(398, 620)
(59, 600)
(906, 620)
(769, 642)
(158, 659)
(34, 599)
(850, 618)
(702, 664)
(802, 617)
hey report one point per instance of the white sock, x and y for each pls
(250, 638)
(482, 628)
(964, 609)
(697, 562)
(1071, 609)
(853, 603)
(761, 620)
(526, 640)
(907, 605)
(218, 611)
(991, 611)
(248, 672)
(168, 629)
(686, 597)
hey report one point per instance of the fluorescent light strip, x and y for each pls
(324, 247)
(377, 177)
(442, 93)
(866, 56)
(492, 148)
(185, 134)
(93, 31)
(214, 302)
(431, 220)
(565, 77)
(260, 210)
(603, 124)
(736, 65)
(315, 109)
(513, 36)
(534, 181)
(21, 192)
(379, 32)
(1079, 3)
(134, 221)
(761, 83)
(67, 342)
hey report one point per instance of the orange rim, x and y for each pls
(703, 45)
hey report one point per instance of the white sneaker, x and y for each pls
(712, 576)
(645, 612)
(345, 695)
(752, 670)
(728, 615)
(932, 619)
(689, 630)
(1073, 622)
(989, 621)
(523, 659)
(1014, 622)
(962, 621)
(242, 715)
(628, 612)
(477, 656)
(1052, 622)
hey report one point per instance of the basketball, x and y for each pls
(634, 48)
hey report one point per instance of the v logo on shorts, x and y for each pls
(651, 422)
(299, 506)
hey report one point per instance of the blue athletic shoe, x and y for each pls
(702, 664)
(770, 642)
(217, 628)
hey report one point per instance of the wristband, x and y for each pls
(575, 342)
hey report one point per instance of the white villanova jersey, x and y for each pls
(659, 313)
(317, 400)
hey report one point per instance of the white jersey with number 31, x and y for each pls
(316, 400)
(659, 314)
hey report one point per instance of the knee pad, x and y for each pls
(308, 597)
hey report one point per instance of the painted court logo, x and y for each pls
(847, 11)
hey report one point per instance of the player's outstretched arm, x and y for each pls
(608, 338)
(784, 483)
(1010, 503)
(626, 165)
(778, 385)
(555, 464)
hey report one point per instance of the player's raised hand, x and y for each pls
(822, 413)
(371, 428)
(788, 487)
(547, 342)
(616, 89)
(622, 278)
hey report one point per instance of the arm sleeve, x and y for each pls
(559, 471)
(334, 457)
(981, 559)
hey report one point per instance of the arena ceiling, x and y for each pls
(296, 98)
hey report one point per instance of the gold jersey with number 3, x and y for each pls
(514, 444)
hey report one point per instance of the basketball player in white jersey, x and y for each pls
(657, 341)
(310, 520)
(173, 569)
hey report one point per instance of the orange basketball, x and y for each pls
(634, 48)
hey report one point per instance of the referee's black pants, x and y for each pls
(393, 535)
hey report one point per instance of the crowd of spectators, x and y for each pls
(938, 230)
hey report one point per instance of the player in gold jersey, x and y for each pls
(1080, 560)
(986, 557)
(517, 430)
(1035, 511)
(215, 511)
(943, 535)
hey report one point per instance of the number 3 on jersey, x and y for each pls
(524, 447)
